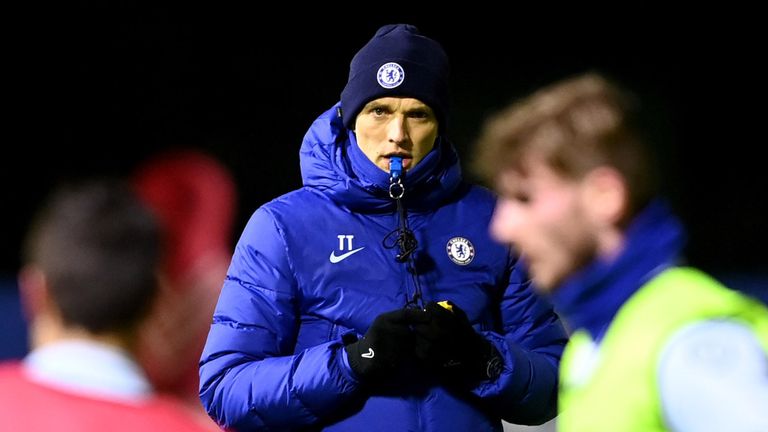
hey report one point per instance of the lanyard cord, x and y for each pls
(402, 237)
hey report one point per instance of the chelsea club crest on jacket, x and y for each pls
(318, 263)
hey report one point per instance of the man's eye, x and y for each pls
(419, 115)
(378, 111)
(522, 198)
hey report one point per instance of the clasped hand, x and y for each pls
(439, 339)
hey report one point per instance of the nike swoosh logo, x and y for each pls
(369, 354)
(334, 259)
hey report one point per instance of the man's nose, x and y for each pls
(397, 131)
(506, 222)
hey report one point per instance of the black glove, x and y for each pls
(386, 346)
(448, 345)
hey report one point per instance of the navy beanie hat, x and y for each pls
(397, 61)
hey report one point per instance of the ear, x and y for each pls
(33, 290)
(605, 192)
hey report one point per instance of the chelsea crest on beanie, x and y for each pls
(398, 61)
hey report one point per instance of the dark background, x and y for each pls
(103, 87)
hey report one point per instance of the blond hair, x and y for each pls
(575, 126)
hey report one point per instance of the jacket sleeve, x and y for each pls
(531, 342)
(250, 378)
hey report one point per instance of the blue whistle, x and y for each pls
(395, 167)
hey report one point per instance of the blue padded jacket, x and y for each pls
(311, 266)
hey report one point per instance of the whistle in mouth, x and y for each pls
(395, 167)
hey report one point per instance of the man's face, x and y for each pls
(544, 216)
(394, 126)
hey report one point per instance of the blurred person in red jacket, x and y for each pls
(89, 277)
(193, 196)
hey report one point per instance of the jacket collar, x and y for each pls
(590, 299)
(332, 162)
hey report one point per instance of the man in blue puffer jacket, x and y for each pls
(373, 298)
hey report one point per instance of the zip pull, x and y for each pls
(396, 188)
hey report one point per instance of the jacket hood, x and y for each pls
(332, 163)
